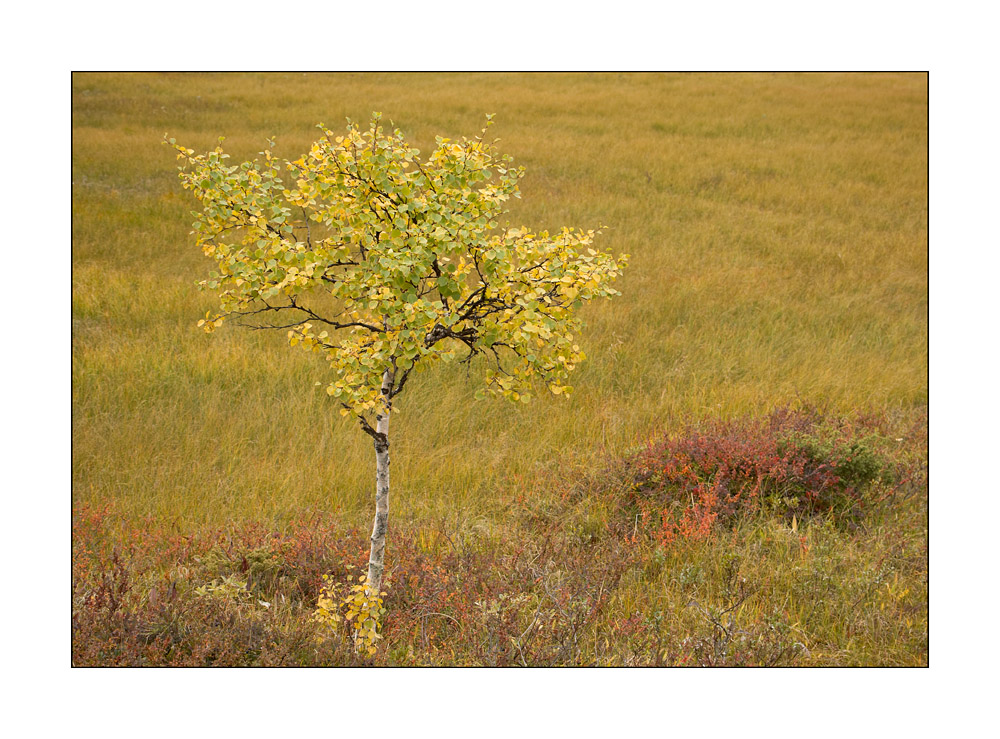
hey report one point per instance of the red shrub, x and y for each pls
(683, 485)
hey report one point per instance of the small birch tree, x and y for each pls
(386, 264)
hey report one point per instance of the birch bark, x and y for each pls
(376, 560)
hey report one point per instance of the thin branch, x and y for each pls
(367, 428)
(335, 324)
(402, 381)
(311, 315)
(308, 229)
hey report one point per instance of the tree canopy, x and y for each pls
(382, 261)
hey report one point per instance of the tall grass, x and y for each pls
(778, 229)
(777, 224)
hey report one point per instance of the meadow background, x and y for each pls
(777, 227)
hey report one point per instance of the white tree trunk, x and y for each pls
(376, 560)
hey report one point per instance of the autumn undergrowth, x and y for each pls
(581, 573)
(682, 508)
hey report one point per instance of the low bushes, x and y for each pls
(791, 539)
(795, 464)
(450, 599)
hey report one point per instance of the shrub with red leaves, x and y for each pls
(683, 485)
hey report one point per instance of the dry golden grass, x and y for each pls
(778, 227)
(778, 230)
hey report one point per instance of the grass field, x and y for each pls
(777, 227)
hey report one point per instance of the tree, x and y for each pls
(387, 264)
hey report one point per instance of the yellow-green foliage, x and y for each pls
(229, 586)
(411, 254)
(356, 605)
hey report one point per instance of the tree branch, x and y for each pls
(402, 381)
(367, 428)
(312, 315)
